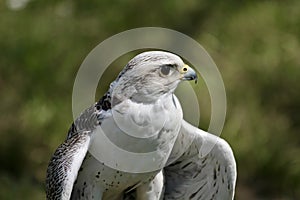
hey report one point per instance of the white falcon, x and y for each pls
(142, 94)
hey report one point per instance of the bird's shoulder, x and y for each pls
(92, 117)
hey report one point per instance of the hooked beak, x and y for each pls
(187, 73)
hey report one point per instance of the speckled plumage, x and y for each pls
(74, 173)
(60, 173)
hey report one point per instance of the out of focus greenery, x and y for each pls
(256, 45)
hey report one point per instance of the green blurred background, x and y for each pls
(256, 45)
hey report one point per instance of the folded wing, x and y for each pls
(64, 166)
(201, 166)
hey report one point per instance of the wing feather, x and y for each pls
(64, 165)
(202, 168)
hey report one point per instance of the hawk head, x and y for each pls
(150, 75)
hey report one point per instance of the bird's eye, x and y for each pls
(165, 69)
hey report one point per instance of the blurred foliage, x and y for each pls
(256, 45)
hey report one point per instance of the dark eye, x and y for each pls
(165, 69)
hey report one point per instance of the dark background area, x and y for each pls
(255, 44)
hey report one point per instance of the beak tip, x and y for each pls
(190, 77)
